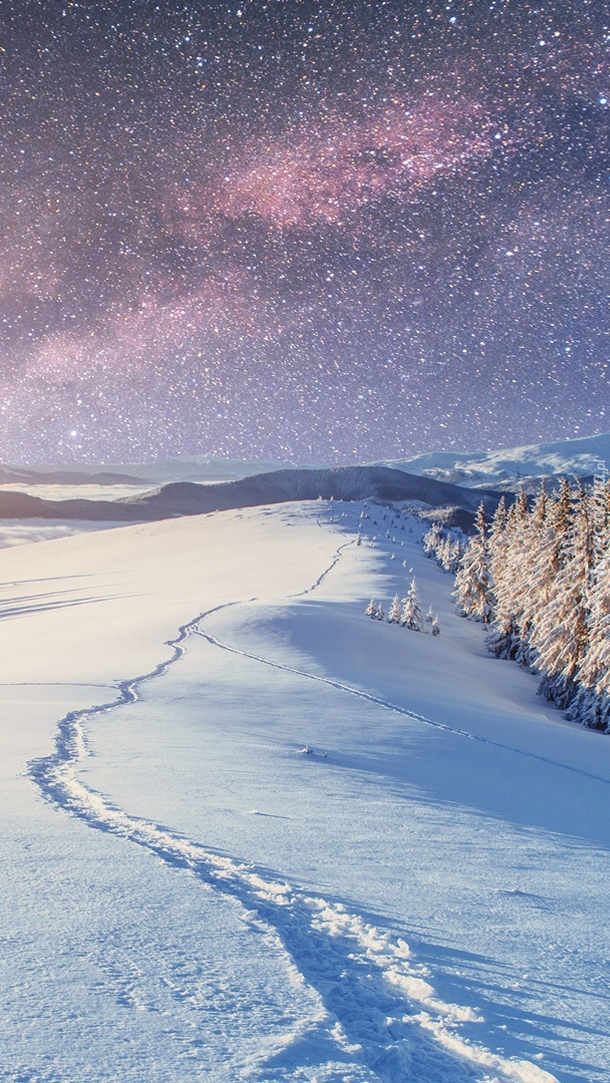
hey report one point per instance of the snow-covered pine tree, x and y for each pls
(380, 613)
(435, 629)
(591, 705)
(528, 587)
(411, 616)
(550, 545)
(513, 546)
(503, 638)
(559, 633)
(442, 552)
(395, 611)
(600, 518)
(457, 549)
(431, 540)
(473, 580)
(371, 609)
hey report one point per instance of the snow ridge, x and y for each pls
(379, 1015)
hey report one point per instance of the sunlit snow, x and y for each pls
(191, 895)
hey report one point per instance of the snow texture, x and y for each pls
(581, 456)
(292, 843)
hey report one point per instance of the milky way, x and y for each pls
(316, 232)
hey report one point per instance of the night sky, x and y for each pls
(323, 232)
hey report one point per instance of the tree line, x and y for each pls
(539, 575)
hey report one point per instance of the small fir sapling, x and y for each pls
(432, 624)
(395, 614)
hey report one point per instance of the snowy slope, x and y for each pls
(193, 896)
(349, 483)
(580, 457)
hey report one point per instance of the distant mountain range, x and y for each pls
(453, 481)
(500, 470)
(188, 468)
(507, 468)
(188, 498)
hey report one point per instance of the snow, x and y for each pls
(420, 898)
(580, 456)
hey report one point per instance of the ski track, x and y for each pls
(382, 1017)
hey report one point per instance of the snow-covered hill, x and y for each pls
(276, 487)
(503, 468)
(418, 898)
(495, 469)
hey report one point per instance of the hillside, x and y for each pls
(188, 498)
(279, 840)
(507, 467)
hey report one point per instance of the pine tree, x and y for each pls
(544, 556)
(435, 630)
(503, 637)
(411, 616)
(473, 580)
(431, 540)
(560, 629)
(591, 705)
(395, 611)
(600, 517)
(456, 552)
(371, 609)
(528, 585)
(380, 613)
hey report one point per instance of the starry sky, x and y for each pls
(319, 232)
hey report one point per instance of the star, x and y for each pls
(319, 233)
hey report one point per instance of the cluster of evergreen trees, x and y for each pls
(448, 547)
(539, 575)
(406, 612)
